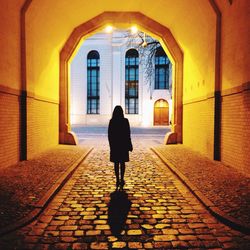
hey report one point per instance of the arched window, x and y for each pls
(93, 83)
(161, 69)
(131, 81)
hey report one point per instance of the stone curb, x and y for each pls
(214, 210)
(50, 194)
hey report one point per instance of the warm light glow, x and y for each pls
(161, 103)
(134, 29)
(144, 44)
(109, 29)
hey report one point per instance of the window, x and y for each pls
(93, 82)
(131, 81)
(161, 69)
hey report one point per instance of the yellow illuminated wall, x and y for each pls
(235, 45)
(10, 81)
(10, 43)
(49, 24)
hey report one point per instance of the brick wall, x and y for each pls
(42, 128)
(198, 126)
(235, 76)
(9, 132)
(235, 132)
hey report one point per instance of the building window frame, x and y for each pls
(132, 82)
(93, 82)
(161, 69)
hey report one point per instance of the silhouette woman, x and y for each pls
(120, 143)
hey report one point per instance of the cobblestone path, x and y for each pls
(155, 210)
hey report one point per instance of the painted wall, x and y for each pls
(10, 81)
(10, 43)
(235, 45)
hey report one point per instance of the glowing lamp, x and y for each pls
(109, 29)
(134, 29)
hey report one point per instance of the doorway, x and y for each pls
(119, 19)
(161, 113)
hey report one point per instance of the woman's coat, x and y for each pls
(119, 140)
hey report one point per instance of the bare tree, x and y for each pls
(146, 46)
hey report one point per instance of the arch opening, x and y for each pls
(121, 20)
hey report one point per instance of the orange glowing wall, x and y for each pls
(235, 74)
(9, 81)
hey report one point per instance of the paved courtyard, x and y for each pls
(155, 210)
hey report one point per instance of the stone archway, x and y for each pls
(119, 19)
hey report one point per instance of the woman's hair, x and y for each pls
(118, 112)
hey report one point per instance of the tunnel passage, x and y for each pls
(119, 19)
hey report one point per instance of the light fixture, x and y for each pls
(108, 29)
(134, 29)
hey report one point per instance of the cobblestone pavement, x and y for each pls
(227, 188)
(23, 185)
(155, 210)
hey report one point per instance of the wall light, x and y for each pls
(109, 29)
(134, 29)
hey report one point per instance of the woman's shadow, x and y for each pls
(118, 209)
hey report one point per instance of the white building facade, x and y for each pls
(105, 72)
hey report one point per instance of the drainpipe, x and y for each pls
(217, 87)
(23, 92)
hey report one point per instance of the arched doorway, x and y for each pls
(119, 19)
(161, 112)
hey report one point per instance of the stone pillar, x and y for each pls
(116, 77)
(65, 135)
